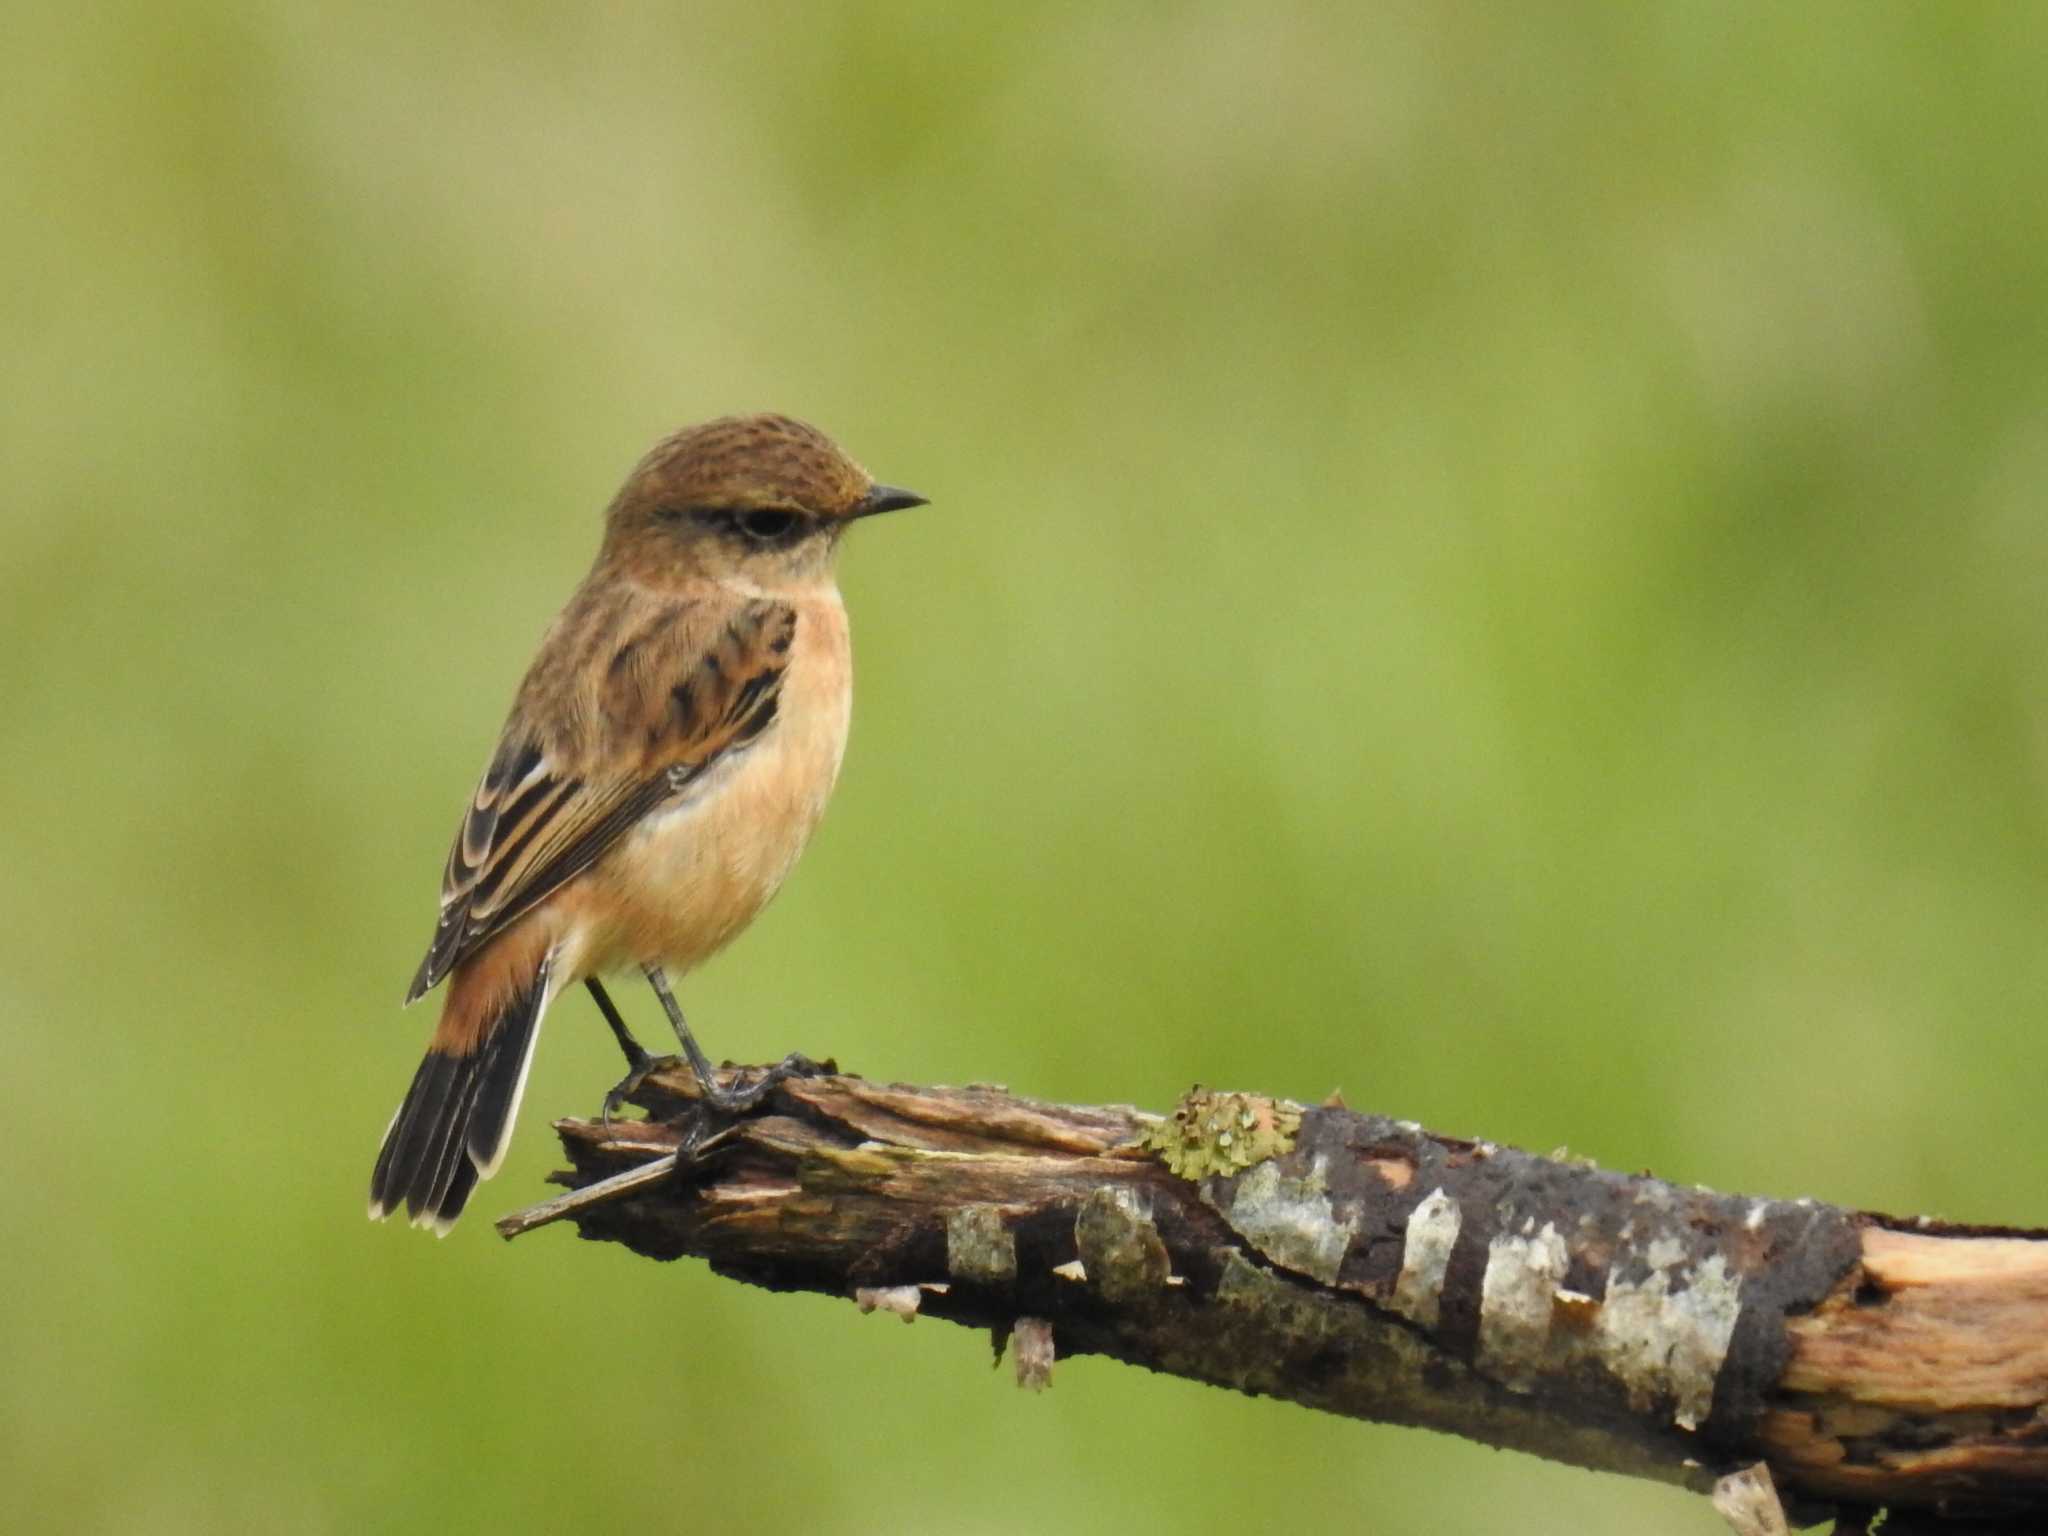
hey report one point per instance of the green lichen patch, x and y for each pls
(1222, 1133)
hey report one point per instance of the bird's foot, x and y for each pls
(641, 1065)
(718, 1100)
(711, 1120)
(738, 1097)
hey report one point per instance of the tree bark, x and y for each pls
(1367, 1267)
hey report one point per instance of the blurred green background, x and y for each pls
(1493, 557)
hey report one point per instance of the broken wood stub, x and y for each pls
(1345, 1261)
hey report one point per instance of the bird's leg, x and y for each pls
(636, 1054)
(637, 1060)
(731, 1101)
(699, 1062)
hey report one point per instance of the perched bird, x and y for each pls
(668, 755)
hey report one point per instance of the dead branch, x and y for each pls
(1368, 1267)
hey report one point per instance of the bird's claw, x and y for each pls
(627, 1086)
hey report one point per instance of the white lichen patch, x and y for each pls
(979, 1246)
(1425, 1256)
(1291, 1221)
(1031, 1348)
(1748, 1501)
(1665, 1344)
(1524, 1272)
(902, 1300)
(1664, 1251)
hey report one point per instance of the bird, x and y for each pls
(666, 758)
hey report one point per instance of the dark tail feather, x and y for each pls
(456, 1120)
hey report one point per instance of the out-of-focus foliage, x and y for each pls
(1493, 557)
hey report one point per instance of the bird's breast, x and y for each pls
(686, 881)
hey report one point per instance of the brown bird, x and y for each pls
(669, 753)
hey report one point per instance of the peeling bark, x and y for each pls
(1368, 1267)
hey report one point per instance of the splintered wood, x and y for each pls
(1927, 1366)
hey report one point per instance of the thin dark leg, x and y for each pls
(699, 1062)
(730, 1100)
(638, 1062)
(636, 1056)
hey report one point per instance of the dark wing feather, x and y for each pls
(542, 816)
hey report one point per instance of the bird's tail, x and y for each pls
(456, 1121)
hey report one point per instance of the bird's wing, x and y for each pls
(596, 742)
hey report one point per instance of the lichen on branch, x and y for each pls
(1364, 1266)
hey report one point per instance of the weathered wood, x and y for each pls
(1368, 1267)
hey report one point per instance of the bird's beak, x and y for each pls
(886, 498)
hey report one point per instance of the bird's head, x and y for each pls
(759, 501)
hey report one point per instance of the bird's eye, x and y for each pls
(767, 523)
